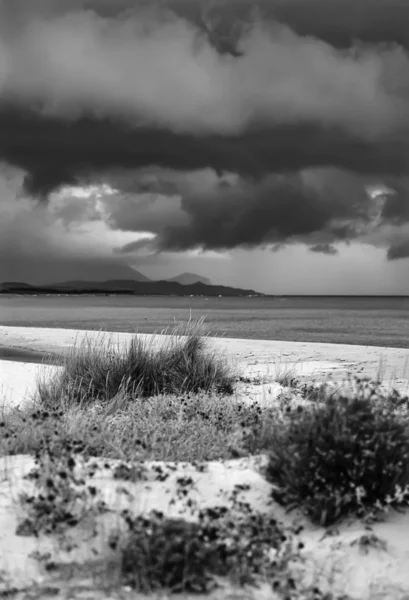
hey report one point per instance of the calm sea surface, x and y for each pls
(367, 321)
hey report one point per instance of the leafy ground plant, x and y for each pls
(181, 362)
(61, 498)
(346, 455)
(181, 556)
(189, 427)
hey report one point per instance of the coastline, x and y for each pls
(21, 347)
(373, 322)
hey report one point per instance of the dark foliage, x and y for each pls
(184, 556)
(341, 456)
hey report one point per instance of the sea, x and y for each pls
(372, 321)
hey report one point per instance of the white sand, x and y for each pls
(18, 381)
(379, 571)
(252, 358)
(339, 562)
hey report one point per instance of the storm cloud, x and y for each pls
(324, 249)
(92, 91)
(399, 250)
(294, 110)
(339, 22)
(317, 207)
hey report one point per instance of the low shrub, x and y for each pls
(61, 498)
(181, 556)
(346, 455)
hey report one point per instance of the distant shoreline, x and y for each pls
(377, 321)
(133, 293)
(126, 287)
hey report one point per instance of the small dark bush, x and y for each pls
(62, 499)
(181, 556)
(342, 456)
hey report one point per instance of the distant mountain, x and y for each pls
(127, 286)
(190, 279)
(74, 275)
(131, 276)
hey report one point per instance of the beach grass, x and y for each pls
(286, 374)
(177, 363)
(163, 399)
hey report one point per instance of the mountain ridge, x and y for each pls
(162, 288)
(189, 279)
(183, 279)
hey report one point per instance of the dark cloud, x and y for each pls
(145, 212)
(277, 209)
(54, 152)
(338, 22)
(303, 106)
(399, 250)
(396, 206)
(324, 249)
(316, 207)
(93, 87)
(342, 23)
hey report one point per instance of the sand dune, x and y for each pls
(252, 358)
(351, 560)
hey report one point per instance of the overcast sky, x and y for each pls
(261, 146)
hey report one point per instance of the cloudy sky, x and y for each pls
(261, 144)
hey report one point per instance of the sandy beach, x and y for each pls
(342, 558)
(252, 359)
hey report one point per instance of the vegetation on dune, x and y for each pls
(329, 453)
(190, 427)
(345, 455)
(151, 552)
(162, 553)
(180, 363)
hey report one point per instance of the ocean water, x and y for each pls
(341, 320)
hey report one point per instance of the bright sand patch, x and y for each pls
(253, 359)
(18, 381)
(364, 564)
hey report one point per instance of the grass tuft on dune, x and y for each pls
(181, 363)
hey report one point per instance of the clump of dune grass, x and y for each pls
(349, 454)
(181, 362)
(286, 374)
